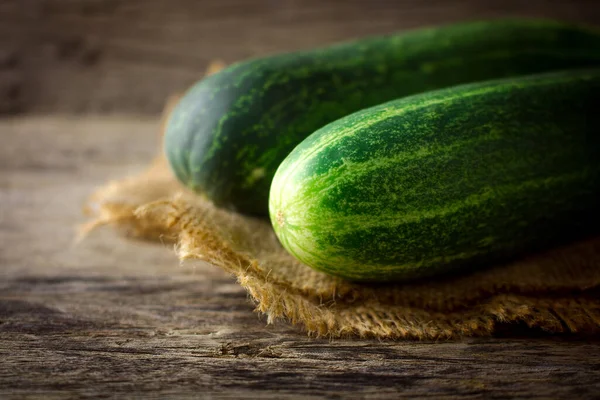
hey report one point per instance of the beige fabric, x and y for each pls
(556, 291)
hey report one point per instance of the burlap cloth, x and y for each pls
(556, 291)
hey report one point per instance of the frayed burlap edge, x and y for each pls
(336, 316)
(555, 291)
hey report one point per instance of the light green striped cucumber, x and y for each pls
(458, 178)
(229, 133)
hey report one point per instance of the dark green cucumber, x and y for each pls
(460, 177)
(229, 133)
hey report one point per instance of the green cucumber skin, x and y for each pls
(457, 178)
(230, 131)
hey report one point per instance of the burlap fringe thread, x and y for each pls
(556, 291)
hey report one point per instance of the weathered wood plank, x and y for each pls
(115, 317)
(112, 56)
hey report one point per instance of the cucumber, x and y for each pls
(230, 131)
(449, 180)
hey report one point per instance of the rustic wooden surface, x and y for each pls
(115, 317)
(107, 56)
(110, 316)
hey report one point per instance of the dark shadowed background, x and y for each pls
(126, 56)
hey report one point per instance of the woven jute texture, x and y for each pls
(557, 291)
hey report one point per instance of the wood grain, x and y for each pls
(127, 56)
(113, 317)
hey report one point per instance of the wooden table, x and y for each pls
(113, 316)
(110, 316)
